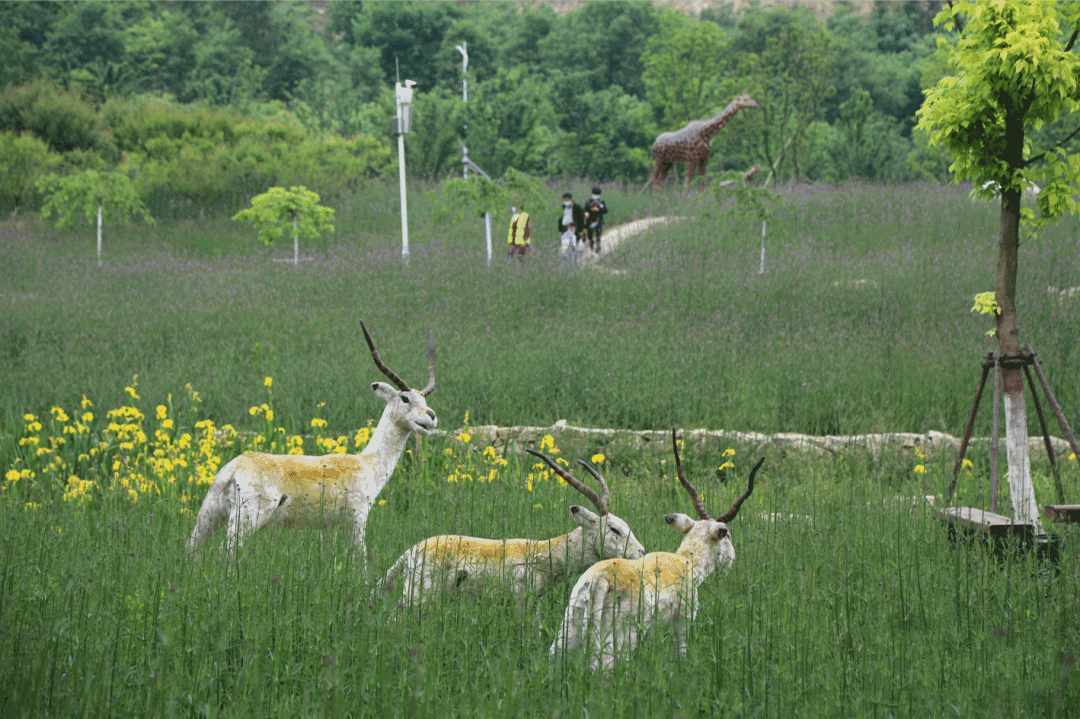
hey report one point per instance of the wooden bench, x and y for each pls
(998, 530)
(1062, 512)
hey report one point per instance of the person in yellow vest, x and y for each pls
(520, 236)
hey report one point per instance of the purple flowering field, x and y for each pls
(860, 323)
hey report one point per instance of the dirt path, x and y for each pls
(614, 236)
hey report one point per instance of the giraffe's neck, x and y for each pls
(717, 123)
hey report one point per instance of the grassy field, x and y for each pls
(677, 327)
(847, 597)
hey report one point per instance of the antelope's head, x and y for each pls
(604, 534)
(713, 534)
(406, 407)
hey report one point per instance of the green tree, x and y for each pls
(482, 195)
(787, 68)
(683, 64)
(158, 48)
(457, 196)
(741, 201)
(1014, 68)
(23, 160)
(104, 194)
(278, 210)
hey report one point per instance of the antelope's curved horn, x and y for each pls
(382, 365)
(605, 496)
(730, 515)
(702, 514)
(430, 365)
(569, 479)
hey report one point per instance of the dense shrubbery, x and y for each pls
(185, 158)
(302, 95)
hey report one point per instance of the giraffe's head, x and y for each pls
(745, 102)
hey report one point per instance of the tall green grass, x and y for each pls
(846, 598)
(860, 323)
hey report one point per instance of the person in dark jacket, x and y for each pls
(572, 214)
(595, 209)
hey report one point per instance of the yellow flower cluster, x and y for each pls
(541, 472)
(468, 464)
(130, 456)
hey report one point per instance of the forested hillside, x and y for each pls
(205, 103)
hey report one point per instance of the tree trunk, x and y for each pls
(1025, 508)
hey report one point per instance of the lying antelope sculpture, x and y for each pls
(618, 598)
(302, 491)
(532, 566)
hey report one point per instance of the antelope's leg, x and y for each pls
(250, 512)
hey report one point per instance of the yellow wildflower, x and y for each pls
(268, 382)
(597, 458)
(727, 465)
(966, 464)
(464, 437)
(729, 452)
(269, 415)
(318, 422)
(162, 411)
(86, 403)
(920, 469)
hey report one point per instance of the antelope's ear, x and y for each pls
(718, 532)
(584, 518)
(383, 391)
(680, 522)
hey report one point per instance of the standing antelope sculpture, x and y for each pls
(531, 565)
(302, 491)
(618, 599)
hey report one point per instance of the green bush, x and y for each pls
(62, 119)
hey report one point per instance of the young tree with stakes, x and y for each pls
(278, 209)
(89, 193)
(1012, 70)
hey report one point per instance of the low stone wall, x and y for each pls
(895, 443)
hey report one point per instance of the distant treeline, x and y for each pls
(205, 103)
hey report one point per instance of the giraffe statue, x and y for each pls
(693, 143)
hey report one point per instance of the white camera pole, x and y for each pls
(403, 96)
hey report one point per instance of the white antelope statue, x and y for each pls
(531, 566)
(301, 491)
(618, 599)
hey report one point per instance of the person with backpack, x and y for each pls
(595, 209)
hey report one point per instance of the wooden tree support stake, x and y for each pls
(998, 362)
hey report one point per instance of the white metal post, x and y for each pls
(99, 208)
(487, 235)
(403, 98)
(404, 200)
